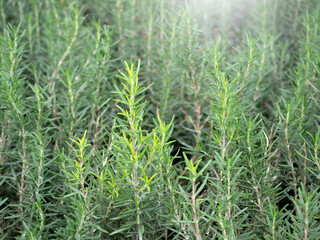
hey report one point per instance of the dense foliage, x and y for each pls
(159, 119)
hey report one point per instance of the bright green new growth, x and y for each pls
(211, 132)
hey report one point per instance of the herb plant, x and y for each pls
(159, 119)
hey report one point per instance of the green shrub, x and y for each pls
(159, 119)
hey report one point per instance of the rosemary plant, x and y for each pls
(211, 132)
